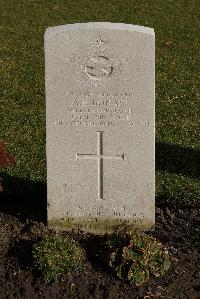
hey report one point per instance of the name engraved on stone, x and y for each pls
(99, 157)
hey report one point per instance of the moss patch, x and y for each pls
(99, 226)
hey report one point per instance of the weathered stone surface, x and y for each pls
(100, 126)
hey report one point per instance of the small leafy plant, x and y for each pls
(56, 256)
(140, 258)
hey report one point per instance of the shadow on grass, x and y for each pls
(24, 199)
(28, 200)
(177, 159)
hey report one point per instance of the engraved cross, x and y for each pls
(99, 157)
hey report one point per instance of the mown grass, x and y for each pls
(22, 104)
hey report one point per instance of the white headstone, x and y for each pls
(100, 126)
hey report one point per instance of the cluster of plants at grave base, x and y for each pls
(141, 256)
(55, 256)
(133, 257)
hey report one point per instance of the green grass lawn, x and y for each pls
(22, 102)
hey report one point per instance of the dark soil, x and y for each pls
(177, 229)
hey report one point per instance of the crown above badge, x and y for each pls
(99, 42)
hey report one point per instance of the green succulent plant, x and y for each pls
(143, 256)
(56, 256)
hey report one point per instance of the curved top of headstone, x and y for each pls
(100, 25)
